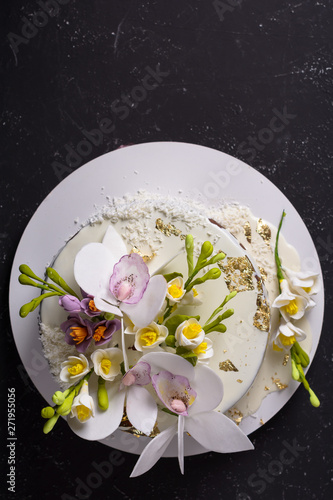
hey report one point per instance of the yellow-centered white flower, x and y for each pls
(190, 334)
(74, 368)
(192, 298)
(304, 283)
(83, 405)
(286, 336)
(291, 305)
(175, 290)
(150, 337)
(204, 351)
(107, 362)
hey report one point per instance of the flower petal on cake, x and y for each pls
(169, 362)
(104, 306)
(216, 432)
(143, 313)
(209, 388)
(105, 422)
(153, 451)
(174, 391)
(160, 268)
(114, 242)
(181, 426)
(129, 279)
(141, 409)
(93, 267)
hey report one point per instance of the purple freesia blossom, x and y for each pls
(174, 391)
(78, 332)
(103, 330)
(88, 306)
(70, 303)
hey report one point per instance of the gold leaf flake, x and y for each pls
(167, 229)
(127, 427)
(227, 366)
(236, 415)
(264, 231)
(279, 384)
(146, 258)
(238, 273)
(262, 315)
(239, 381)
(247, 231)
(285, 359)
(261, 421)
(267, 388)
(263, 273)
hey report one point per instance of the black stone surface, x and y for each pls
(228, 66)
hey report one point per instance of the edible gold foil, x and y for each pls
(126, 426)
(279, 384)
(263, 273)
(247, 231)
(261, 421)
(238, 273)
(236, 415)
(262, 315)
(146, 258)
(264, 231)
(168, 229)
(267, 388)
(285, 359)
(239, 381)
(227, 366)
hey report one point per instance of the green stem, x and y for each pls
(276, 253)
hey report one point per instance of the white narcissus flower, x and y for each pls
(286, 336)
(291, 305)
(193, 394)
(74, 368)
(83, 405)
(189, 334)
(107, 362)
(150, 337)
(204, 351)
(305, 283)
(175, 290)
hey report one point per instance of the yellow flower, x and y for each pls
(74, 368)
(175, 290)
(286, 336)
(83, 406)
(149, 337)
(107, 362)
(189, 334)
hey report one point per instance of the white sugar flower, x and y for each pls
(204, 351)
(304, 283)
(189, 334)
(74, 368)
(83, 407)
(175, 290)
(150, 337)
(107, 362)
(286, 336)
(291, 305)
(192, 298)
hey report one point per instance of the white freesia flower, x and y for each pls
(150, 337)
(291, 305)
(204, 351)
(83, 405)
(192, 393)
(304, 283)
(107, 362)
(193, 298)
(190, 334)
(286, 336)
(74, 368)
(175, 290)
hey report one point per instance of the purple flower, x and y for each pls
(88, 307)
(174, 391)
(78, 332)
(129, 279)
(70, 303)
(103, 330)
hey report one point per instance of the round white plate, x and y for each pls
(177, 169)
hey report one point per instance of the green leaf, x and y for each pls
(54, 276)
(166, 410)
(122, 368)
(171, 276)
(188, 355)
(170, 341)
(108, 316)
(173, 322)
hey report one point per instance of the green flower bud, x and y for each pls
(216, 258)
(48, 426)
(206, 251)
(102, 395)
(59, 397)
(170, 341)
(108, 316)
(65, 408)
(47, 412)
(294, 371)
(189, 245)
(313, 399)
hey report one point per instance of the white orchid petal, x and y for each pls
(153, 451)
(145, 311)
(93, 267)
(216, 432)
(105, 422)
(141, 409)
(209, 388)
(160, 268)
(104, 306)
(114, 242)
(181, 425)
(165, 361)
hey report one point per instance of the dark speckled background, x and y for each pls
(229, 65)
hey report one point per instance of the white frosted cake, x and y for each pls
(161, 323)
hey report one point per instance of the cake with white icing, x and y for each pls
(157, 302)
